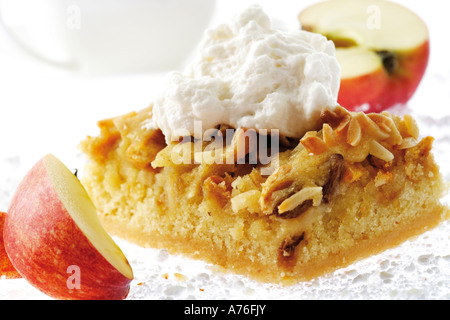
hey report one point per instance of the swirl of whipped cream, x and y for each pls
(246, 74)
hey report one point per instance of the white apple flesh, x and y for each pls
(55, 240)
(382, 48)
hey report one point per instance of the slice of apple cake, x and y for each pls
(358, 185)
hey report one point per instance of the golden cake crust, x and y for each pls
(358, 185)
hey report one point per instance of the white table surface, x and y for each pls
(45, 109)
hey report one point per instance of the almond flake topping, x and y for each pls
(355, 135)
(309, 193)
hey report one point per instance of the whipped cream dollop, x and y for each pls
(247, 74)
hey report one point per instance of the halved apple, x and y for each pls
(55, 240)
(7, 270)
(382, 47)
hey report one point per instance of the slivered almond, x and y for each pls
(313, 143)
(411, 126)
(395, 137)
(371, 127)
(349, 132)
(354, 132)
(329, 137)
(341, 112)
(377, 150)
(387, 124)
(308, 193)
(343, 124)
(407, 143)
(382, 121)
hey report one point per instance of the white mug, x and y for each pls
(108, 36)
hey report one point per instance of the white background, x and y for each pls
(48, 109)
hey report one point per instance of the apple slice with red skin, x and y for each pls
(6, 268)
(382, 47)
(55, 240)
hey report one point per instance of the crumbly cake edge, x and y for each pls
(431, 218)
